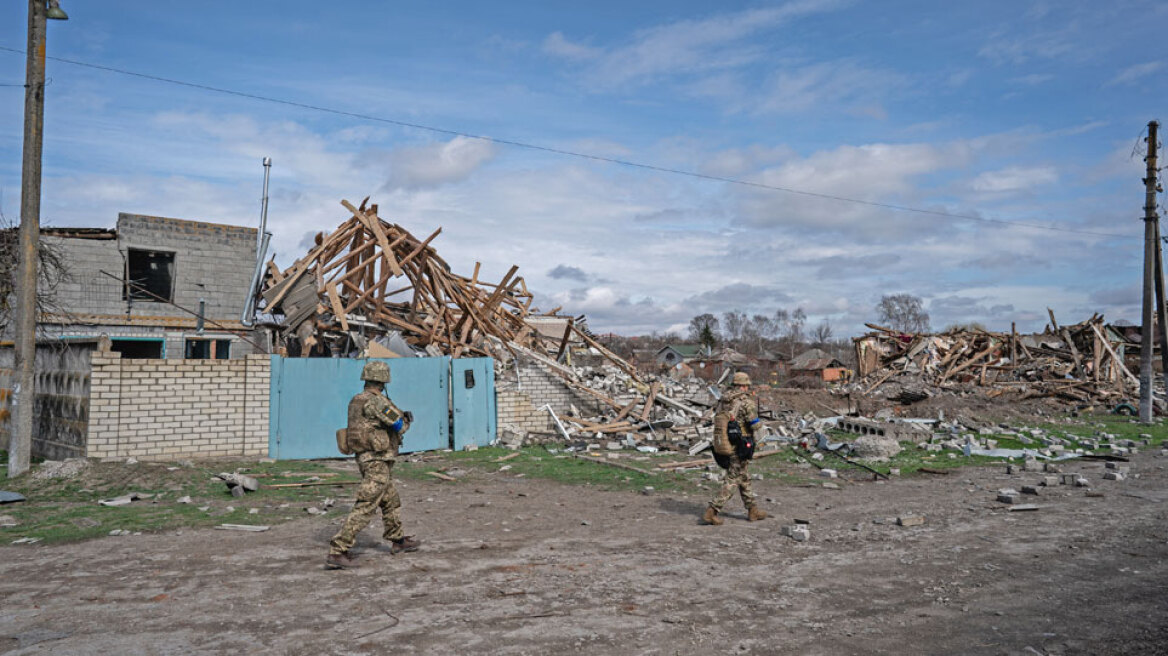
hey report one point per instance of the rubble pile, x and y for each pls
(1080, 364)
(342, 294)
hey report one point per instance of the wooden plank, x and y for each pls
(421, 247)
(338, 309)
(441, 476)
(613, 357)
(653, 388)
(374, 226)
(1114, 357)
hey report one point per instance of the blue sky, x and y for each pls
(1015, 111)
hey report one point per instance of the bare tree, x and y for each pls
(701, 324)
(732, 324)
(795, 329)
(52, 271)
(903, 312)
(822, 333)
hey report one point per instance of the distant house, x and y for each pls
(674, 354)
(819, 364)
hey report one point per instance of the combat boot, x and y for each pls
(711, 517)
(755, 514)
(339, 561)
(404, 545)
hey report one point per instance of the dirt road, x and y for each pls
(517, 566)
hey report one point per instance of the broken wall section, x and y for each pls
(164, 409)
(522, 390)
(61, 408)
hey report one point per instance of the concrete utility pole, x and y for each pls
(1151, 245)
(24, 394)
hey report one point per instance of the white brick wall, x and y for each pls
(518, 403)
(165, 409)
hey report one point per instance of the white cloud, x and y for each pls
(685, 46)
(1014, 179)
(434, 164)
(1133, 74)
(815, 86)
(557, 44)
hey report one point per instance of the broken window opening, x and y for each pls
(208, 349)
(138, 349)
(149, 276)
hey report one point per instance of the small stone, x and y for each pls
(1050, 481)
(1051, 468)
(586, 523)
(895, 471)
(1082, 482)
(829, 473)
(830, 486)
(253, 511)
(647, 490)
(1114, 476)
(1011, 469)
(817, 456)
(797, 533)
(8, 520)
(183, 500)
(1030, 489)
(910, 520)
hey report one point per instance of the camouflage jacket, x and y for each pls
(739, 406)
(371, 420)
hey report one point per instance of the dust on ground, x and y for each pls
(512, 565)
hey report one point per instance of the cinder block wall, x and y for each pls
(165, 409)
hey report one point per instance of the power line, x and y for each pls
(569, 153)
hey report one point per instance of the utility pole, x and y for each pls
(23, 391)
(1151, 245)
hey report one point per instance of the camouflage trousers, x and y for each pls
(376, 492)
(735, 478)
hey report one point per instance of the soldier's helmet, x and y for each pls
(376, 371)
(740, 378)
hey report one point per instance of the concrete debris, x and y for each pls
(8, 520)
(239, 482)
(797, 532)
(242, 527)
(68, 468)
(910, 520)
(10, 497)
(124, 500)
(25, 541)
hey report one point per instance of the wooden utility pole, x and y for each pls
(1151, 246)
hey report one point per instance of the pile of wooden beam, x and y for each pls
(1083, 363)
(369, 277)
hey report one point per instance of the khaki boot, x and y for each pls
(404, 545)
(711, 517)
(755, 514)
(339, 561)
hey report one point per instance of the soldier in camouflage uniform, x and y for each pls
(374, 432)
(740, 406)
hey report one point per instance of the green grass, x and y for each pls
(540, 463)
(66, 510)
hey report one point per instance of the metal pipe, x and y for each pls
(248, 316)
(263, 210)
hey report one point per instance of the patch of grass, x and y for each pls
(540, 463)
(66, 510)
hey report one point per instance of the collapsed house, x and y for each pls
(1079, 364)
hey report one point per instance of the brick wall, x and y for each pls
(165, 409)
(525, 389)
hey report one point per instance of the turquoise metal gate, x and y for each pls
(472, 399)
(310, 398)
